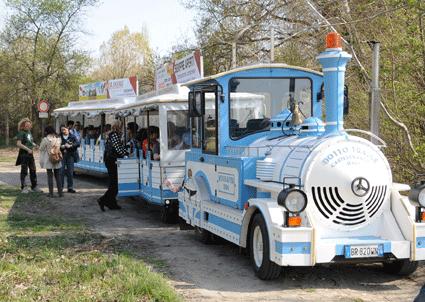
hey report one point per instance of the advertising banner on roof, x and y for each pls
(181, 71)
(111, 89)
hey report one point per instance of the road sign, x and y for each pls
(43, 106)
(43, 115)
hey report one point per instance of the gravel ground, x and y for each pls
(217, 272)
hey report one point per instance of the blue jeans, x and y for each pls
(68, 162)
(421, 295)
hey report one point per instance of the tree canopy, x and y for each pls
(38, 45)
(124, 55)
(300, 28)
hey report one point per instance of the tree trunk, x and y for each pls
(7, 127)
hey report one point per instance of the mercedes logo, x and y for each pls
(360, 186)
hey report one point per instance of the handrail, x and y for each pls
(244, 148)
(311, 147)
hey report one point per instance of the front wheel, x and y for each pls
(264, 268)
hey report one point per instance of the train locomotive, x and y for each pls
(294, 193)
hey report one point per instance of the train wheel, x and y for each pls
(203, 235)
(169, 213)
(401, 267)
(264, 268)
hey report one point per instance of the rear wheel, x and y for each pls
(401, 267)
(264, 268)
(170, 213)
(203, 235)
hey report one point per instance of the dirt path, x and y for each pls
(218, 272)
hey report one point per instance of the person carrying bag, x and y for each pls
(114, 149)
(51, 159)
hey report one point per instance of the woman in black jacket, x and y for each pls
(69, 145)
(114, 149)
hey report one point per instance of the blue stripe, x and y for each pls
(298, 247)
(181, 207)
(225, 224)
(422, 241)
(128, 186)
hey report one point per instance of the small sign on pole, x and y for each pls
(43, 106)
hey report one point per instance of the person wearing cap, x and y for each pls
(91, 134)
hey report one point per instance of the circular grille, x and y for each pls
(347, 213)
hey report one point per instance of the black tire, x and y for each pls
(259, 250)
(203, 235)
(401, 267)
(170, 214)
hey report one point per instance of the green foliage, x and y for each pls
(300, 36)
(39, 55)
(44, 258)
(125, 55)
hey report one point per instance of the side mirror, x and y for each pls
(196, 103)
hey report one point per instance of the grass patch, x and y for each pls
(43, 258)
(10, 153)
(12, 142)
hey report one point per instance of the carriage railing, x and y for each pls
(246, 151)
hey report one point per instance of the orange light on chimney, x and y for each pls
(333, 40)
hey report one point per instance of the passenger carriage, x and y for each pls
(93, 112)
(295, 193)
(157, 181)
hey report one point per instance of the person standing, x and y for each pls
(78, 133)
(114, 149)
(51, 139)
(26, 156)
(421, 296)
(69, 145)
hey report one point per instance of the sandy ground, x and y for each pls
(217, 272)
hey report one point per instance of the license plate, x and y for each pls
(363, 251)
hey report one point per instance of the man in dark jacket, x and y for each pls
(69, 145)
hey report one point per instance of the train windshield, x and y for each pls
(254, 101)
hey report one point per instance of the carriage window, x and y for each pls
(178, 130)
(253, 102)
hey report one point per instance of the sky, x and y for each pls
(167, 22)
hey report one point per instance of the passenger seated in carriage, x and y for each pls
(141, 136)
(173, 138)
(153, 143)
(91, 135)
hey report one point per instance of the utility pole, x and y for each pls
(235, 42)
(375, 104)
(272, 44)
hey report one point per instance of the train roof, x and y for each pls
(151, 100)
(92, 107)
(147, 101)
(250, 67)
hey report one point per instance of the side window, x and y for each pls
(196, 132)
(178, 134)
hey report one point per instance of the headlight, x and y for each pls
(293, 200)
(417, 194)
